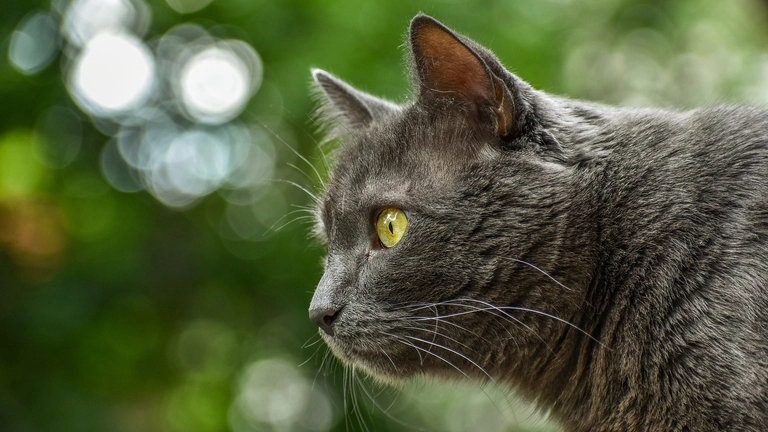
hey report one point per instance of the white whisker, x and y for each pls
(490, 307)
(355, 403)
(535, 268)
(285, 216)
(412, 345)
(454, 352)
(386, 410)
(301, 171)
(436, 334)
(314, 197)
(296, 219)
(282, 141)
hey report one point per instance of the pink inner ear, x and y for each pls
(446, 65)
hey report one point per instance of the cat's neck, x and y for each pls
(653, 195)
(603, 253)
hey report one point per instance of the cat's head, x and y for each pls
(439, 215)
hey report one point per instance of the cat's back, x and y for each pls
(694, 180)
(705, 158)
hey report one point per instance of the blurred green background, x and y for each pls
(155, 260)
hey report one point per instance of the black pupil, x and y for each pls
(392, 230)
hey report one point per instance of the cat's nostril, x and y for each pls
(328, 321)
(324, 318)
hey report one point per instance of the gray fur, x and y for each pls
(609, 263)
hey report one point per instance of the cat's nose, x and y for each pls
(324, 316)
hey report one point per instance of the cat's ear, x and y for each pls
(356, 108)
(450, 68)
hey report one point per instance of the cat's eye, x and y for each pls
(390, 226)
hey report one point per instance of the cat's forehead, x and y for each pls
(364, 178)
(408, 155)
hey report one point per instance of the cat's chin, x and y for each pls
(384, 366)
(384, 375)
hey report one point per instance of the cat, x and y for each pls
(608, 263)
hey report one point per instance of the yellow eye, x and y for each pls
(391, 226)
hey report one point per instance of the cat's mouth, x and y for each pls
(394, 351)
(376, 346)
(377, 357)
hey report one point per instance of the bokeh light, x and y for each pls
(216, 82)
(179, 164)
(188, 6)
(274, 396)
(116, 171)
(196, 163)
(207, 348)
(114, 74)
(465, 407)
(169, 104)
(85, 19)
(34, 44)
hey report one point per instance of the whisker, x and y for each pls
(311, 356)
(535, 268)
(389, 358)
(345, 396)
(418, 348)
(437, 323)
(490, 308)
(422, 306)
(296, 219)
(319, 177)
(405, 342)
(438, 334)
(440, 317)
(355, 402)
(321, 368)
(306, 208)
(472, 333)
(313, 196)
(453, 351)
(554, 317)
(301, 171)
(505, 315)
(421, 359)
(386, 412)
(285, 216)
(521, 309)
(307, 344)
(440, 320)
(424, 318)
(318, 144)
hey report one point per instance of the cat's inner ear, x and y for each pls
(356, 108)
(449, 69)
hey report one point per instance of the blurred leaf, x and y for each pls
(20, 172)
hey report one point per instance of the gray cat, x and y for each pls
(611, 264)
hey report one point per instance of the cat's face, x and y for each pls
(423, 215)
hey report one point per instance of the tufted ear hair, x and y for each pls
(355, 108)
(453, 68)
